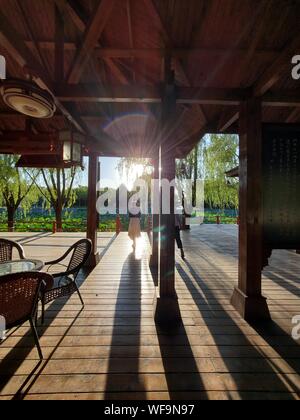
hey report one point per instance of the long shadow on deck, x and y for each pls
(231, 348)
(180, 367)
(290, 352)
(284, 278)
(129, 380)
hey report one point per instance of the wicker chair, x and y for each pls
(6, 250)
(19, 295)
(65, 281)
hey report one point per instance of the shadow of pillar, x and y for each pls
(123, 365)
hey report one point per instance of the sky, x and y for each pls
(108, 171)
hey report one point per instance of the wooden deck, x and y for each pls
(113, 350)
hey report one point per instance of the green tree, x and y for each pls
(191, 167)
(81, 196)
(17, 188)
(126, 167)
(58, 192)
(220, 155)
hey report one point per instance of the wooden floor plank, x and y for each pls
(113, 350)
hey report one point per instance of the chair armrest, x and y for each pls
(20, 251)
(55, 275)
(55, 261)
(51, 264)
(58, 275)
(59, 259)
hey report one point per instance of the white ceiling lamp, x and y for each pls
(27, 98)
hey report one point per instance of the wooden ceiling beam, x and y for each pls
(28, 136)
(146, 94)
(272, 75)
(182, 53)
(185, 95)
(22, 142)
(10, 115)
(27, 148)
(287, 98)
(92, 34)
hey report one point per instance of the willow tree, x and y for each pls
(58, 190)
(191, 167)
(17, 188)
(221, 155)
(134, 168)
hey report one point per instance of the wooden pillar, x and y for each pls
(155, 217)
(247, 297)
(167, 312)
(167, 228)
(92, 217)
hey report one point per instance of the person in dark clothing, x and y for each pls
(177, 235)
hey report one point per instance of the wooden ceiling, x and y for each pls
(104, 63)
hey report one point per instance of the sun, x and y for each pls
(129, 177)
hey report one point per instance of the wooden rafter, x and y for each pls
(227, 119)
(92, 34)
(130, 32)
(272, 75)
(33, 37)
(59, 46)
(79, 19)
(281, 65)
(293, 116)
(262, 14)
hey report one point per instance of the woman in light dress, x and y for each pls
(134, 231)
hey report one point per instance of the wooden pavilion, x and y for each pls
(149, 78)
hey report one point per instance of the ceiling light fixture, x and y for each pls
(27, 98)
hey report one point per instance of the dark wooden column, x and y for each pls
(167, 312)
(155, 219)
(247, 297)
(167, 229)
(92, 217)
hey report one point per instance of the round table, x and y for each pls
(20, 266)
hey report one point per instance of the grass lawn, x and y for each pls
(107, 223)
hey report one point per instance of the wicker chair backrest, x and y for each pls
(19, 294)
(81, 253)
(6, 250)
